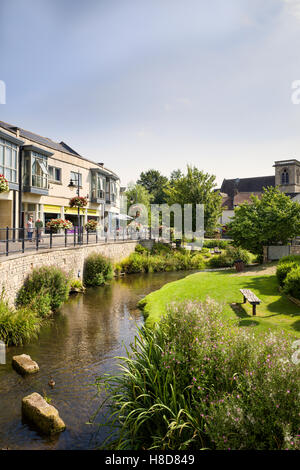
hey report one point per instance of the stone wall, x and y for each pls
(14, 271)
(274, 253)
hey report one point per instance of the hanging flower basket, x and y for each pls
(78, 201)
(59, 224)
(91, 225)
(4, 187)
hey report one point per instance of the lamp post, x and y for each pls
(72, 186)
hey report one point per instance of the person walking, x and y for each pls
(30, 228)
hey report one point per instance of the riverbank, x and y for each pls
(275, 311)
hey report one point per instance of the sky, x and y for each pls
(140, 84)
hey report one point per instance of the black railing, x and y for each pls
(21, 240)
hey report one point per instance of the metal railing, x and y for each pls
(21, 240)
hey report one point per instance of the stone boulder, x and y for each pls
(24, 364)
(43, 415)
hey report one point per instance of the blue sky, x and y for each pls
(142, 84)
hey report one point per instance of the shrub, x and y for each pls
(222, 244)
(229, 256)
(196, 381)
(44, 290)
(161, 248)
(290, 258)
(141, 249)
(291, 285)
(18, 326)
(283, 269)
(97, 270)
(76, 285)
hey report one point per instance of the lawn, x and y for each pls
(275, 310)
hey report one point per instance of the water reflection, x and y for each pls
(76, 347)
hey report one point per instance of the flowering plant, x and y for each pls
(78, 201)
(38, 223)
(91, 225)
(4, 187)
(58, 224)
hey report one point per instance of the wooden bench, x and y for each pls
(252, 299)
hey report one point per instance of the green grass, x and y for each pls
(275, 310)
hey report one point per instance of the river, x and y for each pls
(78, 345)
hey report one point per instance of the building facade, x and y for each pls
(236, 191)
(39, 172)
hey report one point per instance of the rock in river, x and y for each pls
(24, 364)
(43, 415)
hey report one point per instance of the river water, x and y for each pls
(78, 345)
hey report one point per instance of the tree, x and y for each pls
(154, 182)
(196, 187)
(138, 195)
(273, 219)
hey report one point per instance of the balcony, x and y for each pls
(97, 196)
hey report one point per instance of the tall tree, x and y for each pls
(273, 219)
(196, 187)
(155, 183)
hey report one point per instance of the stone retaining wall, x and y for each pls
(14, 271)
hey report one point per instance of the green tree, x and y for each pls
(273, 219)
(137, 195)
(196, 187)
(154, 182)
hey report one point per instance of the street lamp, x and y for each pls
(72, 186)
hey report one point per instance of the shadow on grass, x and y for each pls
(246, 319)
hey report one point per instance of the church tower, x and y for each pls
(287, 176)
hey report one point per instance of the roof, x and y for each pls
(59, 146)
(245, 197)
(247, 185)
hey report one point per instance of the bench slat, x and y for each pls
(248, 294)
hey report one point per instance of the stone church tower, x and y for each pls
(287, 176)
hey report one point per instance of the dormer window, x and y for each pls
(285, 177)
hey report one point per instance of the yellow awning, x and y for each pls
(92, 212)
(74, 210)
(52, 209)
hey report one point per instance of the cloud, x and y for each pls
(293, 7)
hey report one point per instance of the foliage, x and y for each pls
(291, 285)
(91, 225)
(229, 256)
(17, 326)
(138, 195)
(273, 219)
(141, 249)
(216, 243)
(4, 186)
(59, 224)
(283, 269)
(76, 285)
(195, 381)
(161, 258)
(97, 270)
(44, 290)
(196, 187)
(289, 258)
(154, 183)
(78, 201)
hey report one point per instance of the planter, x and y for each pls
(239, 265)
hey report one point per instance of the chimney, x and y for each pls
(101, 164)
(17, 131)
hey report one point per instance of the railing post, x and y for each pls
(96, 235)
(7, 241)
(51, 234)
(74, 235)
(37, 239)
(87, 237)
(23, 240)
(66, 237)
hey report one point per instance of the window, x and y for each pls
(55, 174)
(39, 170)
(8, 160)
(285, 177)
(74, 177)
(97, 186)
